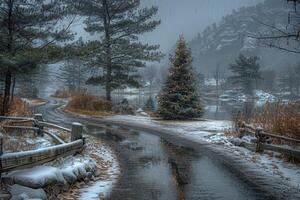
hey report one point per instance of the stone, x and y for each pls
(19, 192)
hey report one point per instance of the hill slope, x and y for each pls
(221, 44)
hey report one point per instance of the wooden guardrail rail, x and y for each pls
(264, 139)
(19, 160)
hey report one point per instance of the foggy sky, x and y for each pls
(188, 17)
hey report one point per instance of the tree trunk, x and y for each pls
(13, 90)
(6, 97)
(108, 60)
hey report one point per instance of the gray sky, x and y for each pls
(188, 17)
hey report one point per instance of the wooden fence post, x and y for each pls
(259, 141)
(76, 132)
(39, 118)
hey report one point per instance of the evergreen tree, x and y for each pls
(74, 72)
(118, 52)
(246, 73)
(149, 106)
(26, 28)
(179, 98)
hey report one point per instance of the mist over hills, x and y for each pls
(220, 44)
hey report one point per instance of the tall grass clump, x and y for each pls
(279, 118)
(86, 102)
(61, 93)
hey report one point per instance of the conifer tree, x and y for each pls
(118, 52)
(26, 28)
(179, 98)
(246, 72)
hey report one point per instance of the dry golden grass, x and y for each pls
(279, 118)
(87, 112)
(61, 93)
(15, 140)
(85, 104)
(18, 108)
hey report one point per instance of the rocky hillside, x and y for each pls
(219, 45)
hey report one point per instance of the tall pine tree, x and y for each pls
(118, 52)
(179, 98)
(26, 28)
(246, 73)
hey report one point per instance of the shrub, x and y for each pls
(18, 108)
(61, 93)
(84, 101)
(123, 108)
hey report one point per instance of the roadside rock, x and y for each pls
(37, 177)
(19, 192)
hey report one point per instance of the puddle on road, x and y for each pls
(152, 168)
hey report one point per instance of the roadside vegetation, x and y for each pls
(18, 108)
(86, 104)
(61, 93)
(279, 118)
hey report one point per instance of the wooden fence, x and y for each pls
(264, 140)
(25, 159)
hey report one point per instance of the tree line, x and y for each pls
(32, 33)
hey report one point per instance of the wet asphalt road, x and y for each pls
(157, 167)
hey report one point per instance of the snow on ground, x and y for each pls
(213, 131)
(213, 82)
(263, 97)
(259, 97)
(102, 188)
(208, 130)
(34, 102)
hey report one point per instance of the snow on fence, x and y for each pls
(263, 140)
(25, 159)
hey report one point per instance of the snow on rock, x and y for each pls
(21, 192)
(78, 168)
(37, 177)
(64, 174)
(249, 44)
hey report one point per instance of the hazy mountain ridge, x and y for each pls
(219, 45)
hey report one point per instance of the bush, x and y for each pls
(61, 93)
(18, 108)
(123, 108)
(84, 101)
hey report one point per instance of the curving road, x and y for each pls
(157, 165)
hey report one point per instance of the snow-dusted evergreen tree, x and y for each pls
(118, 52)
(246, 73)
(179, 98)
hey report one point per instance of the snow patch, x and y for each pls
(102, 188)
